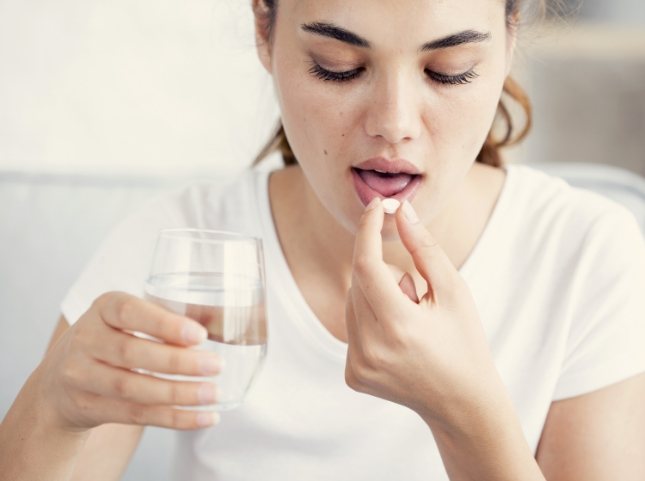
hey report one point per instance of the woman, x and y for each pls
(508, 344)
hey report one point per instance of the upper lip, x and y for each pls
(389, 166)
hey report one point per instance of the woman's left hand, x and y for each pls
(430, 354)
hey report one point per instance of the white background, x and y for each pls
(131, 86)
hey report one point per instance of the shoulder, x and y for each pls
(583, 424)
(548, 194)
(581, 257)
(547, 206)
(193, 202)
(218, 203)
(235, 186)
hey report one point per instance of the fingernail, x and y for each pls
(194, 333)
(210, 365)
(207, 393)
(410, 215)
(372, 205)
(207, 419)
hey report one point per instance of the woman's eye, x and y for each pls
(459, 79)
(346, 76)
(329, 75)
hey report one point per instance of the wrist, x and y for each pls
(41, 405)
(33, 442)
(36, 406)
(463, 423)
(485, 442)
(472, 405)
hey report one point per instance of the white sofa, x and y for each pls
(52, 223)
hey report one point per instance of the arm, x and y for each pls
(75, 403)
(487, 445)
(107, 452)
(598, 436)
(108, 448)
(104, 451)
(430, 353)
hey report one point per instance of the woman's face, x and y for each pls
(417, 80)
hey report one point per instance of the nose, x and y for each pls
(394, 111)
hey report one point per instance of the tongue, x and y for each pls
(385, 184)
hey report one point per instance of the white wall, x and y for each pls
(622, 12)
(587, 85)
(131, 86)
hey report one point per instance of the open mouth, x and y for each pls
(374, 183)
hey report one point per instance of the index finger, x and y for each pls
(126, 312)
(370, 271)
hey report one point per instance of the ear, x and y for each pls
(262, 41)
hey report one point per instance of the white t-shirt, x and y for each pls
(557, 275)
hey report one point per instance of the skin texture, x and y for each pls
(393, 109)
(86, 382)
(387, 286)
(104, 453)
(408, 317)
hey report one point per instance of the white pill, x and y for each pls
(390, 206)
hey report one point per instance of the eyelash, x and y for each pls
(444, 79)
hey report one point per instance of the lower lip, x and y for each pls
(366, 193)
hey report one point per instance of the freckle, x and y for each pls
(325, 152)
(343, 135)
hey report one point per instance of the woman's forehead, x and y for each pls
(399, 9)
(380, 23)
(380, 17)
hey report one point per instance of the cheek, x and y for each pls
(312, 121)
(464, 118)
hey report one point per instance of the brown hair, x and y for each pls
(490, 152)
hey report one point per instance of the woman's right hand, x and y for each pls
(88, 376)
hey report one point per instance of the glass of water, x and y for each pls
(216, 278)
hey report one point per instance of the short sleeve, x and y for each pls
(606, 341)
(122, 260)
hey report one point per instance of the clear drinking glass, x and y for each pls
(216, 278)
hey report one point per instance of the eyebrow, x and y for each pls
(467, 36)
(339, 33)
